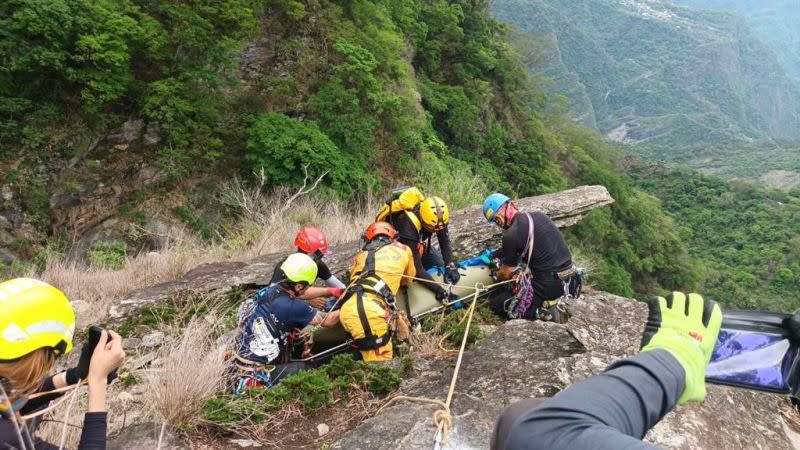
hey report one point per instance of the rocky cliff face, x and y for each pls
(522, 359)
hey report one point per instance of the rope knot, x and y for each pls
(443, 421)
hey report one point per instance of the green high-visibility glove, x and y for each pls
(687, 327)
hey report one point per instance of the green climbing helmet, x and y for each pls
(299, 268)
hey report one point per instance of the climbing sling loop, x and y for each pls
(518, 305)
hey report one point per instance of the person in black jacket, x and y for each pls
(36, 327)
(615, 409)
(416, 228)
(530, 240)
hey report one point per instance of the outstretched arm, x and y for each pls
(616, 408)
(612, 410)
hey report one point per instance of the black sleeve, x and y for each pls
(422, 273)
(611, 410)
(277, 275)
(512, 247)
(443, 236)
(40, 402)
(93, 436)
(407, 233)
(323, 272)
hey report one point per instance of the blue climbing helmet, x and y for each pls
(492, 204)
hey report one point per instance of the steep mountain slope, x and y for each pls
(775, 22)
(686, 85)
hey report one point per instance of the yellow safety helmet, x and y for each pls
(34, 315)
(434, 213)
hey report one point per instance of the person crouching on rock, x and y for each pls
(379, 269)
(534, 250)
(269, 322)
(417, 219)
(36, 327)
(313, 242)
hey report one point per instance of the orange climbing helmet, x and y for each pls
(380, 229)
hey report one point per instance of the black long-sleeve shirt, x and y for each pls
(612, 410)
(93, 436)
(408, 234)
(550, 250)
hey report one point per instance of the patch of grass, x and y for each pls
(16, 269)
(179, 310)
(108, 255)
(407, 363)
(127, 380)
(453, 326)
(312, 390)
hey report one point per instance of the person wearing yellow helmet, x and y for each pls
(268, 323)
(415, 228)
(36, 327)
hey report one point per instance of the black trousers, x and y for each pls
(507, 418)
(432, 258)
(545, 288)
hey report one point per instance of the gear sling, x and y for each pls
(368, 280)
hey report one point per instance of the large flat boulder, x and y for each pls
(524, 359)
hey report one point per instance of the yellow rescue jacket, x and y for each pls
(392, 261)
(369, 307)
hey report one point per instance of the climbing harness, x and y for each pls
(557, 310)
(368, 281)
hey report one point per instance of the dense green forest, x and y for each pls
(376, 93)
(747, 237)
(673, 84)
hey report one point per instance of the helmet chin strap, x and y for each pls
(509, 212)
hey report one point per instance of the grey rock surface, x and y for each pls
(524, 359)
(146, 435)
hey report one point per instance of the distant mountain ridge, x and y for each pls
(775, 22)
(683, 85)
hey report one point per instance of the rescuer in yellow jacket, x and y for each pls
(377, 275)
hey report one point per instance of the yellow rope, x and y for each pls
(442, 418)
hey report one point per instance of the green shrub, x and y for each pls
(450, 179)
(314, 389)
(195, 222)
(284, 146)
(108, 255)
